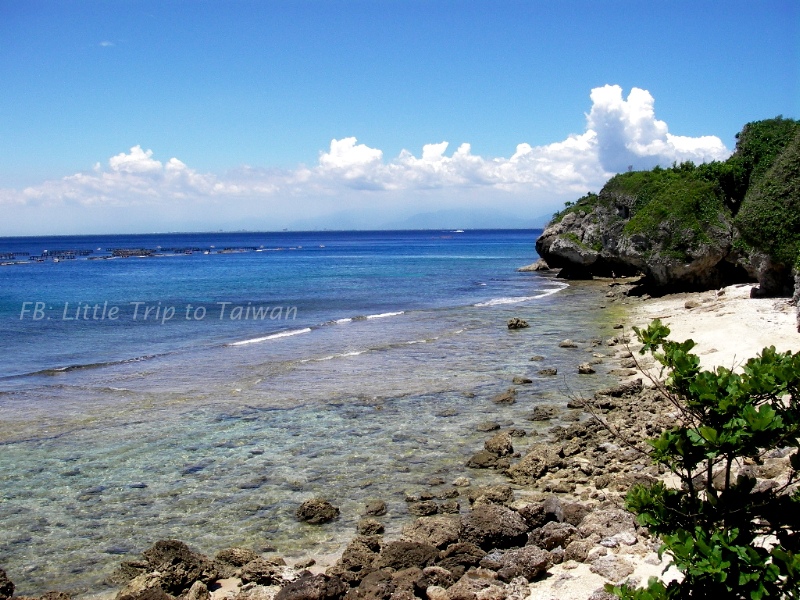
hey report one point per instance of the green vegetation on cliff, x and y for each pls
(747, 204)
(770, 215)
(758, 146)
(677, 203)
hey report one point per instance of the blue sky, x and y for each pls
(248, 98)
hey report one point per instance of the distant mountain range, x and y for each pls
(441, 219)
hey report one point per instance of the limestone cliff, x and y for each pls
(692, 227)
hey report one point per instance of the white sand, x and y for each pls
(575, 581)
(728, 326)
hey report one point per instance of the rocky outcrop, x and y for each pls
(539, 459)
(228, 562)
(774, 278)
(529, 562)
(595, 242)
(439, 531)
(177, 566)
(403, 555)
(539, 265)
(6, 586)
(313, 587)
(356, 562)
(317, 511)
(492, 526)
(517, 323)
(262, 571)
(169, 568)
(692, 227)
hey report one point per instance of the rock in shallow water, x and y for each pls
(423, 508)
(499, 444)
(317, 511)
(375, 508)
(487, 426)
(507, 397)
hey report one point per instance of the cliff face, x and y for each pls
(613, 234)
(679, 226)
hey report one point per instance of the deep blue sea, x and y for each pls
(201, 386)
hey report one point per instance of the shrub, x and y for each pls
(728, 538)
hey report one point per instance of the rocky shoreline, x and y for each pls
(553, 525)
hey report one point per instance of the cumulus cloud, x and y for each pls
(628, 134)
(137, 161)
(620, 132)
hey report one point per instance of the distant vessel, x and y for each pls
(459, 231)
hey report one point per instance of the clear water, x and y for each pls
(117, 433)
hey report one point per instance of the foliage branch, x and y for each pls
(727, 535)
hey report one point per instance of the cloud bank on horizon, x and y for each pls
(620, 133)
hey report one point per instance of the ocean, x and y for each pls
(201, 386)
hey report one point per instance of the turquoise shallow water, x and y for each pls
(189, 433)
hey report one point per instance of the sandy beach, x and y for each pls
(728, 325)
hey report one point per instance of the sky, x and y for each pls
(139, 116)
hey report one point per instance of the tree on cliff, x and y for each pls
(770, 216)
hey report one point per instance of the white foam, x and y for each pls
(332, 356)
(274, 336)
(384, 315)
(518, 299)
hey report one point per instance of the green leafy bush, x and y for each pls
(728, 538)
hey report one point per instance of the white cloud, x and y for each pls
(351, 175)
(138, 161)
(629, 134)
